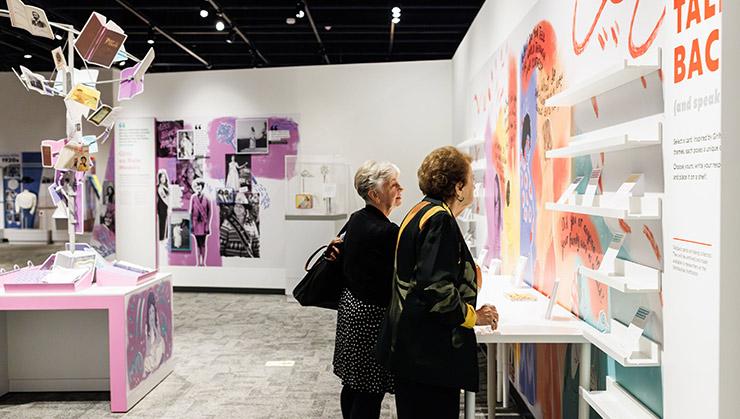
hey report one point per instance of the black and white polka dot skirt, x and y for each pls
(358, 328)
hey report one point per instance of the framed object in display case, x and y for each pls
(316, 187)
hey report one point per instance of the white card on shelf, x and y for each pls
(482, 257)
(570, 191)
(610, 257)
(634, 185)
(636, 328)
(553, 298)
(494, 266)
(519, 271)
(592, 188)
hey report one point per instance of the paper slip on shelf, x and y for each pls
(606, 79)
(616, 403)
(616, 344)
(628, 277)
(643, 132)
(609, 205)
(471, 142)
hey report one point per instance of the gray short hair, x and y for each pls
(371, 176)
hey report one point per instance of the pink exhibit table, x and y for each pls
(139, 337)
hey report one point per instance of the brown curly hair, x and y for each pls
(441, 171)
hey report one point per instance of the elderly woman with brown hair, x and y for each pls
(367, 263)
(428, 340)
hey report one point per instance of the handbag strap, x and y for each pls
(310, 258)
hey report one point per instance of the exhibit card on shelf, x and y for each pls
(592, 188)
(521, 265)
(636, 327)
(610, 257)
(570, 191)
(553, 299)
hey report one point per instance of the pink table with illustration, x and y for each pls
(139, 336)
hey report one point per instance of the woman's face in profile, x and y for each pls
(467, 192)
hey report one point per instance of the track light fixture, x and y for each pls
(299, 10)
(28, 56)
(204, 12)
(150, 37)
(58, 37)
(232, 37)
(220, 25)
(396, 15)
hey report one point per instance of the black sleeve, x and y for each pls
(437, 268)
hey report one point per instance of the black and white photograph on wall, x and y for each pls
(238, 172)
(239, 226)
(251, 136)
(185, 145)
(12, 171)
(225, 196)
(187, 171)
(163, 202)
(180, 231)
(109, 193)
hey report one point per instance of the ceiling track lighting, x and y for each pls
(232, 37)
(150, 37)
(396, 15)
(204, 12)
(220, 25)
(299, 10)
(28, 56)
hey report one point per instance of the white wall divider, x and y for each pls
(479, 165)
(643, 132)
(470, 142)
(616, 403)
(615, 344)
(628, 277)
(609, 78)
(640, 208)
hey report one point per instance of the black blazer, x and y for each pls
(423, 339)
(368, 256)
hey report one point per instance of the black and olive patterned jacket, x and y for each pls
(428, 334)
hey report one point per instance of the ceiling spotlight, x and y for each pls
(396, 12)
(150, 41)
(58, 37)
(290, 21)
(396, 20)
(203, 12)
(122, 63)
(299, 12)
(232, 37)
(220, 25)
(327, 27)
(27, 56)
(150, 37)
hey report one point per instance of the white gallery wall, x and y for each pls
(394, 111)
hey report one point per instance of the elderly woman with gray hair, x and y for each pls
(368, 260)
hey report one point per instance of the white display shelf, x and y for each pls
(478, 165)
(616, 403)
(628, 277)
(607, 79)
(642, 208)
(615, 344)
(471, 142)
(643, 132)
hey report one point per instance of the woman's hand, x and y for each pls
(487, 316)
(332, 252)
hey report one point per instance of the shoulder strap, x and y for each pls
(424, 218)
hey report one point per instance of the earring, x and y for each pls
(460, 199)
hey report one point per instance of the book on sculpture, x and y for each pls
(30, 18)
(100, 40)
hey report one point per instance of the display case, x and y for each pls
(316, 187)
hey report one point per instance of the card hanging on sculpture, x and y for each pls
(570, 191)
(129, 87)
(592, 189)
(103, 116)
(36, 82)
(23, 82)
(144, 65)
(100, 40)
(87, 77)
(85, 95)
(60, 63)
(30, 18)
(610, 257)
(50, 150)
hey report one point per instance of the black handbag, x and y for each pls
(322, 284)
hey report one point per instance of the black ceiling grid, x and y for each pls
(351, 31)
